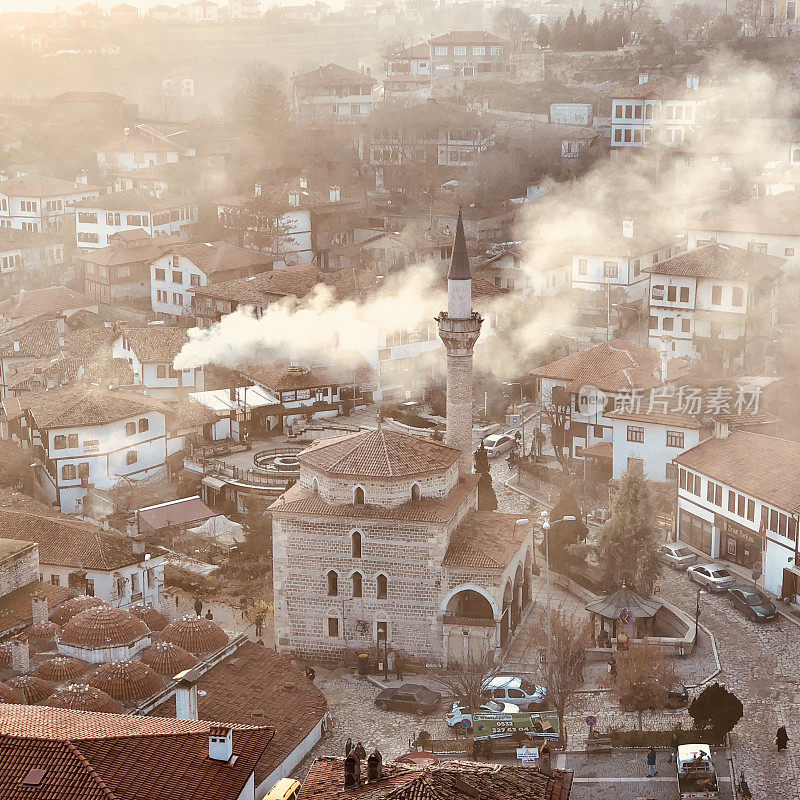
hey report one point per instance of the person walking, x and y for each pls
(782, 738)
(398, 666)
(259, 624)
(673, 747)
(359, 752)
(744, 789)
(348, 746)
(198, 606)
(651, 762)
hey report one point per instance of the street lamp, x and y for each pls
(546, 529)
(697, 615)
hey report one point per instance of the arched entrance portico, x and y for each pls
(469, 626)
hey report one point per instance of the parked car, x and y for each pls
(498, 443)
(712, 577)
(677, 555)
(753, 603)
(409, 697)
(510, 689)
(461, 713)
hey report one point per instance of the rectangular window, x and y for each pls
(55, 580)
(194, 280)
(751, 510)
(177, 277)
(684, 294)
(637, 112)
(131, 457)
(773, 520)
(682, 479)
(583, 266)
(59, 442)
(440, 50)
(72, 440)
(497, 50)
(83, 469)
(782, 524)
(697, 485)
(161, 274)
(672, 293)
(130, 428)
(653, 323)
(709, 487)
(788, 251)
(671, 471)
(618, 135)
(479, 50)
(177, 299)
(740, 505)
(144, 425)
(333, 622)
(738, 296)
(716, 295)
(686, 325)
(635, 434)
(68, 472)
(675, 439)
(161, 370)
(636, 268)
(731, 501)
(459, 50)
(610, 269)
(668, 323)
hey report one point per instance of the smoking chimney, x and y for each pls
(186, 694)
(220, 743)
(627, 228)
(20, 656)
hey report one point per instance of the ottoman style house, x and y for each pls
(380, 540)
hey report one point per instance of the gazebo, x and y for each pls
(633, 611)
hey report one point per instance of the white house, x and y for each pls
(717, 302)
(739, 500)
(137, 151)
(414, 60)
(84, 436)
(23, 253)
(185, 267)
(164, 215)
(333, 93)
(41, 204)
(151, 352)
(199, 11)
(661, 111)
(517, 269)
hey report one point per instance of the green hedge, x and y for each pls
(662, 738)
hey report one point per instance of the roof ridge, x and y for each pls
(382, 435)
(93, 774)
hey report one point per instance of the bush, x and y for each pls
(716, 709)
(662, 738)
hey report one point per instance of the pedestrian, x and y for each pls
(782, 738)
(259, 624)
(612, 668)
(398, 666)
(348, 746)
(198, 606)
(673, 747)
(360, 752)
(651, 763)
(209, 615)
(744, 789)
(243, 606)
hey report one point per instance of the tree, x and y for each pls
(543, 35)
(724, 30)
(514, 25)
(643, 676)
(563, 534)
(750, 14)
(716, 709)
(690, 18)
(466, 683)
(562, 672)
(557, 409)
(258, 525)
(628, 545)
(487, 499)
(569, 35)
(631, 10)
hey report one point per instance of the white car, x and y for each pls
(677, 555)
(498, 443)
(518, 691)
(712, 577)
(461, 713)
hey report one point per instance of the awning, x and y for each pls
(611, 606)
(596, 450)
(213, 483)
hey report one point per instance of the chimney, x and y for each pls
(232, 393)
(137, 545)
(643, 78)
(294, 198)
(40, 609)
(20, 656)
(352, 772)
(16, 347)
(304, 183)
(336, 194)
(83, 178)
(257, 190)
(186, 694)
(721, 429)
(627, 228)
(692, 81)
(374, 767)
(544, 760)
(220, 743)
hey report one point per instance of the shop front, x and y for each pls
(696, 532)
(738, 544)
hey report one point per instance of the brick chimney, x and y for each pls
(220, 743)
(20, 656)
(186, 694)
(40, 610)
(627, 228)
(721, 429)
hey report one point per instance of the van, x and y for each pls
(284, 789)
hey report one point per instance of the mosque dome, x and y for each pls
(75, 605)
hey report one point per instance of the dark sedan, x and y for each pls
(409, 697)
(753, 603)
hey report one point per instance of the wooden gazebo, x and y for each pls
(611, 608)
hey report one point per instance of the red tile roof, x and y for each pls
(212, 257)
(195, 634)
(776, 214)
(485, 540)
(43, 186)
(50, 301)
(136, 200)
(125, 680)
(663, 88)
(8, 694)
(102, 628)
(765, 467)
(296, 281)
(155, 343)
(332, 75)
(178, 512)
(468, 37)
(39, 631)
(16, 608)
(381, 453)
(720, 261)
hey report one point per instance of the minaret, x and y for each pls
(459, 329)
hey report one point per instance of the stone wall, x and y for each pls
(20, 567)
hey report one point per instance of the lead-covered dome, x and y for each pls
(68, 610)
(195, 634)
(125, 680)
(61, 668)
(103, 627)
(154, 619)
(8, 694)
(32, 687)
(82, 697)
(167, 658)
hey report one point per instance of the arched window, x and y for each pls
(333, 584)
(415, 490)
(383, 587)
(315, 486)
(356, 544)
(358, 584)
(358, 496)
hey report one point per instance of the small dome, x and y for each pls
(68, 610)
(5, 654)
(61, 668)
(39, 632)
(167, 658)
(82, 697)
(154, 620)
(125, 680)
(34, 689)
(8, 694)
(103, 627)
(195, 634)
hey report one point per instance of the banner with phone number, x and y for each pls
(541, 724)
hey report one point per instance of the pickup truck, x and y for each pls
(697, 778)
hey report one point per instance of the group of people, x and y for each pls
(259, 620)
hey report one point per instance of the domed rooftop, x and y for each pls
(39, 632)
(154, 620)
(82, 697)
(167, 658)
(74, 606)
(103, 627)
(195, 634)
(8, 694)
(380, 453)
(125, 680)
(61, 668)
(33, 688)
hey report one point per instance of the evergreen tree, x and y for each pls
(543, 35)
(556, 36)
(582, 27)
(487, 499)
(570, 33)
(717, 709)
(628, 545)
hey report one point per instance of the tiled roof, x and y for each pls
(138, 144)
(468, 37)
(302, 501)
(74, 606)
(449, 780)
(88, 756)
(35, 338)
(284, 378)
(765, 467)
(13, 239)
(332, 75)
(8, 694)
(120, 253)
(175, 513)
(775, 214)
(125, 680)
(195, 634)
(81, 697)
(32, 687)
(61, 668)
(380, 453)
(43, 186)
(16, 608)
(103, 628)
(154, 620)
(663, 88)
(156, 343)
(212, 257)
(136, 200)
(613, 366)
(673, 419)
(49, 301)
(256, 685)
(167, 658)
(485, 540)
(5, 653)
(296, 281)
(68, 544)
(720, 261)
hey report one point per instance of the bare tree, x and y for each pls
(466, 683)
(514, 25)
(750, 13)
(691, 18)
(557, 409)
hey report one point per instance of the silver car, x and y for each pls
(712, 577)
(511, 689)
(677, 555)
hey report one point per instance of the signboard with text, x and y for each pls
(540, 724)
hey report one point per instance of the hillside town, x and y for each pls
(399, 400)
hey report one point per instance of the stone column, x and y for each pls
(40, 609)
